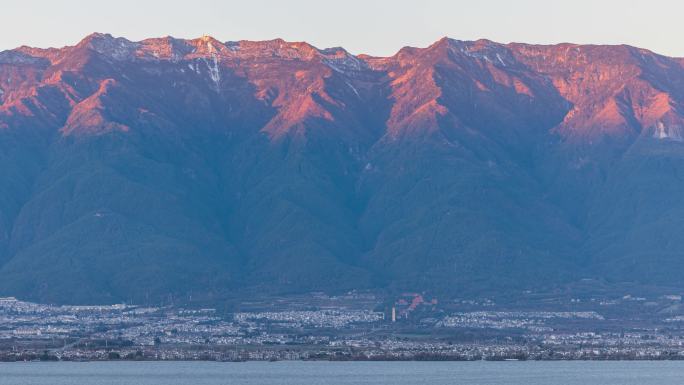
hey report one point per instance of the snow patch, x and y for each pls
(14, 57)
(500, 59)
(115, 48)
(353, 89)
(214, 70)
(342, 62)
(195, 69)
(661, 131)
(483, 52)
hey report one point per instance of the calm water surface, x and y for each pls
(343, 373)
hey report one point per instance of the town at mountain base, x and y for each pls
(134, 171)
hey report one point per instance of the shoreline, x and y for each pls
(649, 359)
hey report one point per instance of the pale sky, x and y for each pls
(376, 27)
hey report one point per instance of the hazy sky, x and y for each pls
(378, 27)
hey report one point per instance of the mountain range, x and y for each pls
(138, 170)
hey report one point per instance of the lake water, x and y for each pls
(343, 373)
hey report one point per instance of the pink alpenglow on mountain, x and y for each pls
(137, 169)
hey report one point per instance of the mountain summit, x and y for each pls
(135, 170)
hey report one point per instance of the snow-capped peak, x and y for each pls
(116, 48)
